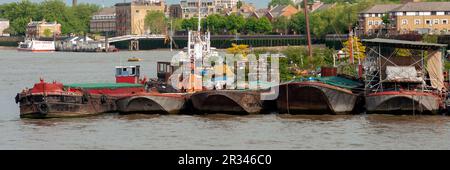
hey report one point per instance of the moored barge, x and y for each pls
(317, 97)
(55, 100)
(227, 101)
(404, 84)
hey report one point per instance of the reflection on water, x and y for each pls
(114, 131)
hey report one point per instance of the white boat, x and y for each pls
(36, 46)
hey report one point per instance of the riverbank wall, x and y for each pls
(10, 41)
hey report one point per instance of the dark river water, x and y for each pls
(113, 131)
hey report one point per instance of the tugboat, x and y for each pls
(55, 100)
(404, 85)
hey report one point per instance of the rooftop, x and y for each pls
(106, 11)
(384, 8)
(424, 6)
(403, 44)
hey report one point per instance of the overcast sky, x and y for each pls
(257, 3)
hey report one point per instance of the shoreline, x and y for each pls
(7, 48)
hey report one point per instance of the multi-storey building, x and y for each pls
(104, 21)
(130, 16)
(189, 8)
(38, 29)
(4, 24)
(175, 11)
(371, 20)
(226, 5)
(421, 17)
(411, 16)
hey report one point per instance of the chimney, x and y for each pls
(74, 3)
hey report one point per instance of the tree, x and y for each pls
(47, 32)
(263, 25)
(281, 24)
(215, 23)
(359, 50)
(177, 24)
(235, 23)
(298, 23)
(189, 24)
(84, 14)
(281, 2)
(239, 4)
(250, 25)
(19, 14)
(156, 22)
(386, 19)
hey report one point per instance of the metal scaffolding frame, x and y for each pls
(373, 63)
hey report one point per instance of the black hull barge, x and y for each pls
(315, 98)
(236, 102)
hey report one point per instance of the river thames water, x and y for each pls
(223, 132)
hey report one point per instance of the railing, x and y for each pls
(134, 37)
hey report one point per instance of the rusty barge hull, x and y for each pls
(401, 103)
(152, 104)
(64, 106)
(234, 102)
(315, 98)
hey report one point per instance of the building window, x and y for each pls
(417, 21)
(433, 12)
(370, 22)
(428, 22)
(404, 22)
(436, 21)
(444, 21)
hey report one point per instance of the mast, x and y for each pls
(308, 34)
(199, 16)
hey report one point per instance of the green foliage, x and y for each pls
(189, 24)
(156, 22)
(234, 23)
(430, 38)
(47, 33)
(280, 2)
(281, 24)
(239, 4)
(215, 23)
(263, 26)
(73, 19)
(385, 18)
(177, 24)
(296, 59)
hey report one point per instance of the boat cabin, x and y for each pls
(128, 74)
(165, 70)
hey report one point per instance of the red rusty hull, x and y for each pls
(403, 102)
(315, 98)
(53, 100)
(62, 106)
